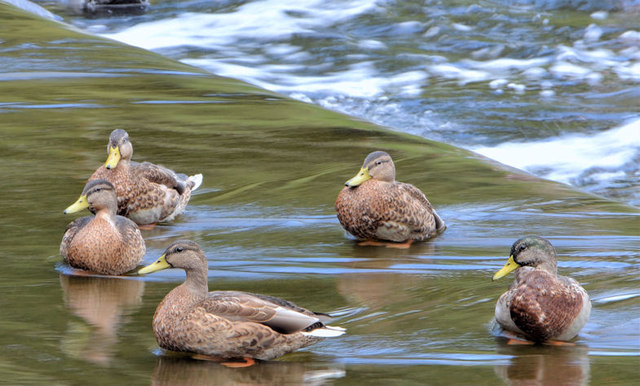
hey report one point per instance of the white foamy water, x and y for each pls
(383, 61)
(596, 158)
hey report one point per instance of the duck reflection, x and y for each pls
(103, 303)
(182, 370)
(416, 250)
(544, 365)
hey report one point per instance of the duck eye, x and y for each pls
(379, 163)
(179, 249)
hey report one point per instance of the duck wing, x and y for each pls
(415, 206)
(70, 233)
(160, 175)
(278, 314)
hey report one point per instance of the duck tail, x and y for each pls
(326, 332)
(195, 181)
(440, 225)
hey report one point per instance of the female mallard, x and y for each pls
(147, 193)
(374, 206)
(540, 304)
(228, 324)
(105, 243)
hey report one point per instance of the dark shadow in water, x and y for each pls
(182, 370)
(103, 303)
(544, 365)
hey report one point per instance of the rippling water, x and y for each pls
(471, 74)
(264, 216)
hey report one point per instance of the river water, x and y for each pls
(272, 168)
(539, 86)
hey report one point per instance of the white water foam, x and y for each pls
(599, 157)
(269, 20)
(266, 43)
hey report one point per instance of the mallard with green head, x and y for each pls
(540, 305)
(228, 324)
(106, 243)
(147, 193)
(373, 206)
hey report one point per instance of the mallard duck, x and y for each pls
(147, 193)
(374, 206)
(106, 243)
(540, 304)
(228, 324)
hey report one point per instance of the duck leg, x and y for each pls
(558, 343)
(248, 362)
(519, 342)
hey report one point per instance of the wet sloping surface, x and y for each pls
(272, 168)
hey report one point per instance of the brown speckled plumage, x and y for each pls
(381, 208)
(106, 243)
(147, 193)
(540, 304)
(226, 324)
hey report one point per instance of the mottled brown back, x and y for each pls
(135, 190)
(94, 244)
(544, 311)
(402, 208)
(227, 324)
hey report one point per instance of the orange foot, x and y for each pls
(558, 343)
(147, 227)
(388, 244)
(203, 357)
(248, 362)
(520, 342)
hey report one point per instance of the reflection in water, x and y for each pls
(544, 365)
(102, 303)
(180, 370)
(375, 290)
(369, 252)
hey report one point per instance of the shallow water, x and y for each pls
(264, 216)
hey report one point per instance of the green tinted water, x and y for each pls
(272, 168)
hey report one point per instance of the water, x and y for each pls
(264, 216)
(466, 73)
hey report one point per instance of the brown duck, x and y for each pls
(373, 206)
(106, 243)
(540, 305)
(228, 324)
(147, 193)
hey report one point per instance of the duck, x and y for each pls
(228, 324)
(377, 209)
(540, 305)
(147, 193)
(107, 244)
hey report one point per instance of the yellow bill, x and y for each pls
(113, 158)
(361, 177)
(156, 266)
(77, 206)
(510, 266)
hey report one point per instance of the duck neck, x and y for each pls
(197, 282)
(550, 266)
(123, 164)
(106, 213)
